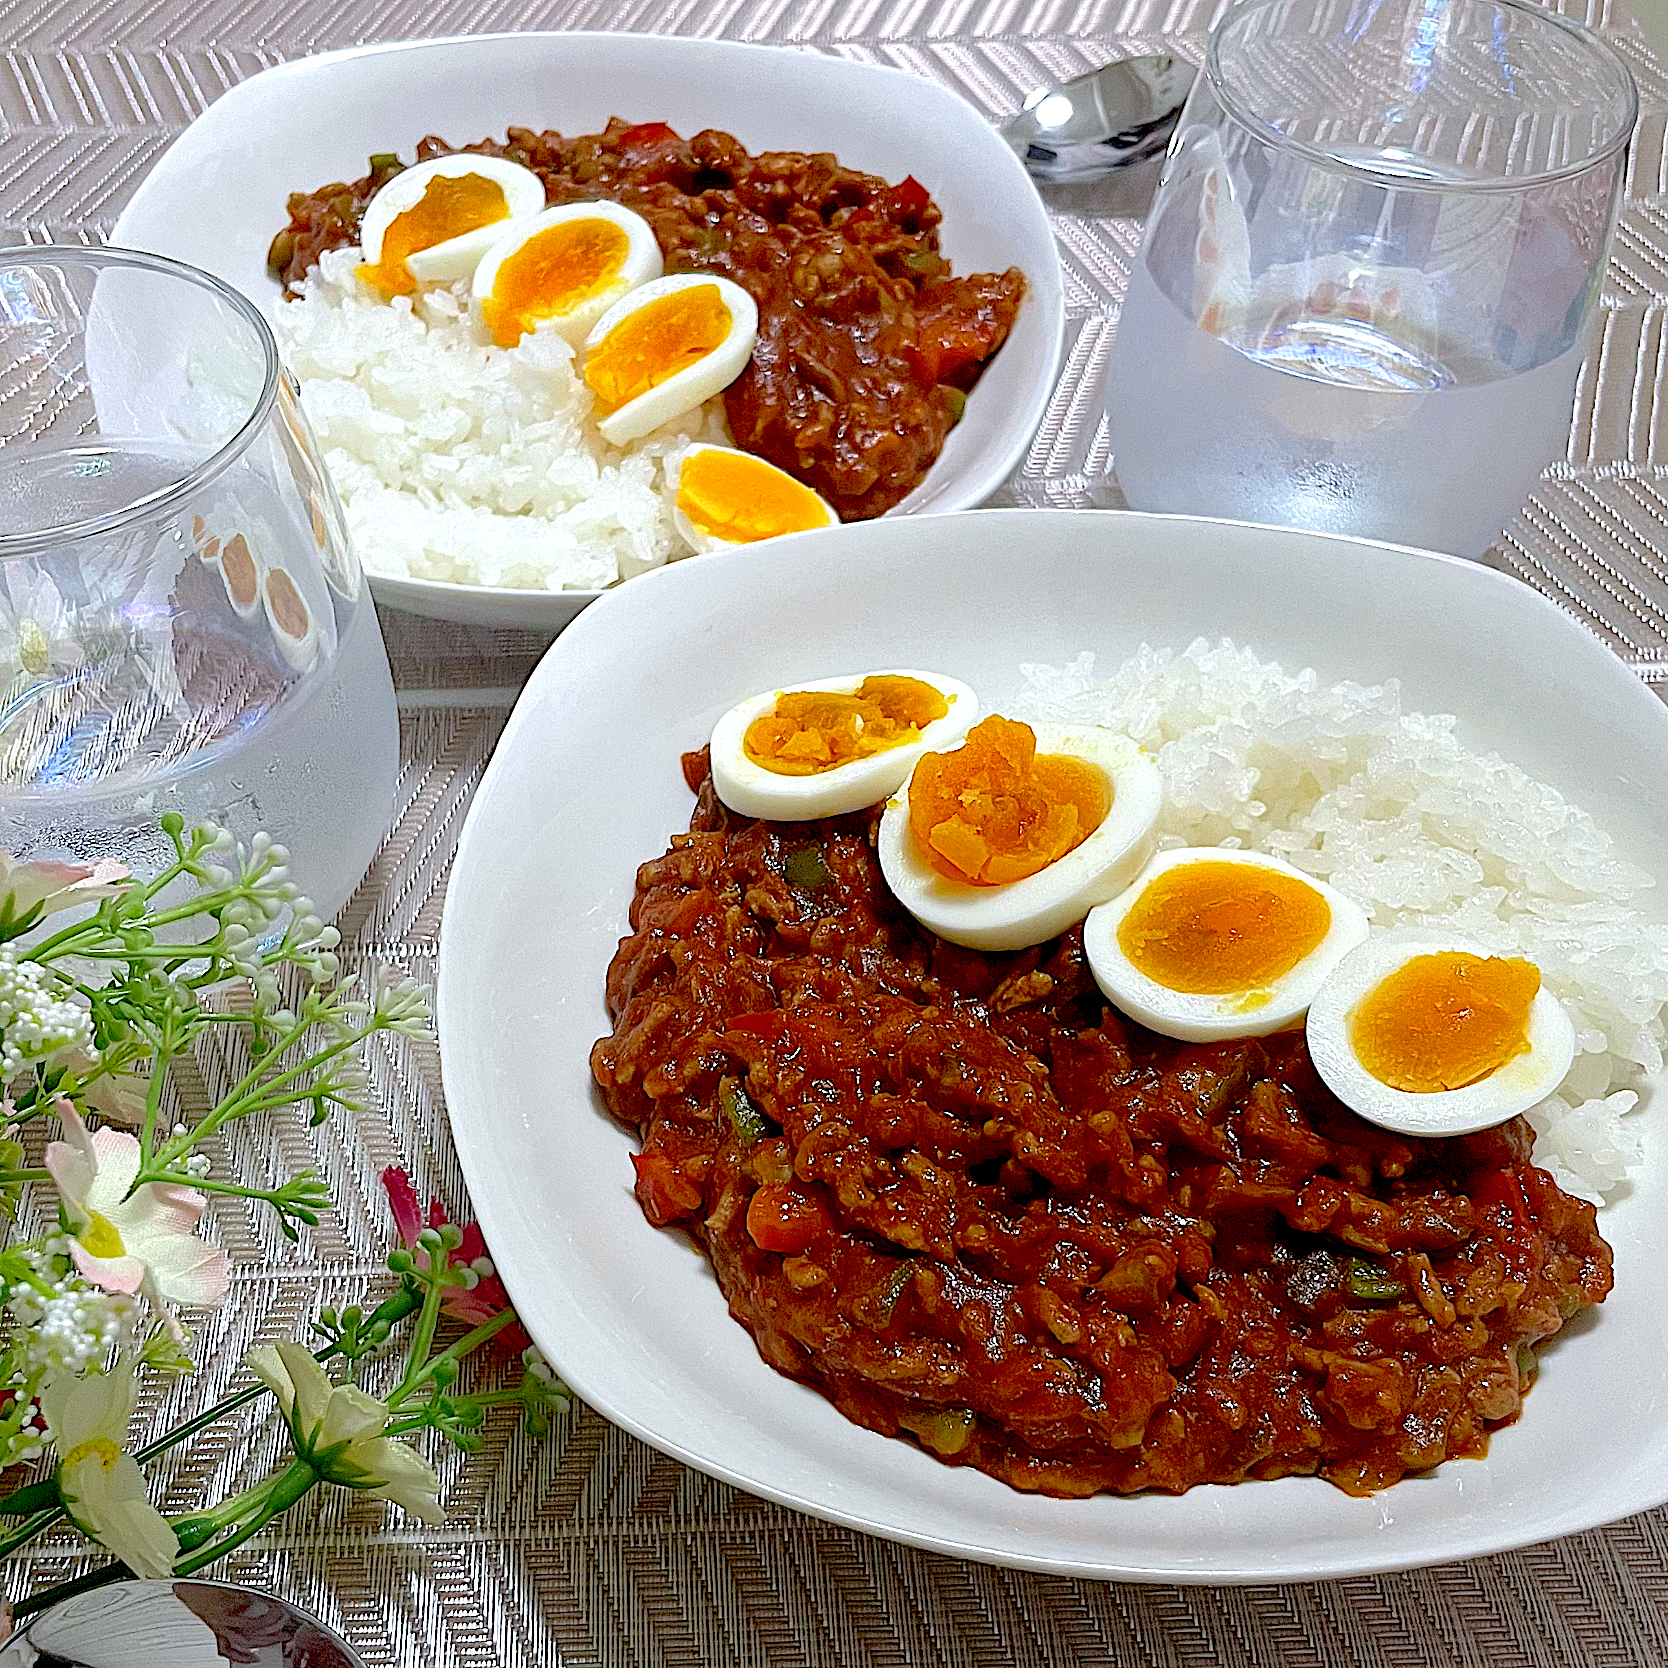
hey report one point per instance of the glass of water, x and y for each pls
(183, 623)
(1363, 297)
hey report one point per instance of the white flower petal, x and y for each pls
(408, 1479)
(268, 1366)
(352, 1417)
(106, 1499)
(313, 1388)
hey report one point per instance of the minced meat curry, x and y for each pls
(968, 1202)
(867, 343)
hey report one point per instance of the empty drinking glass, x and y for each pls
(183, 624)
(1362, 300)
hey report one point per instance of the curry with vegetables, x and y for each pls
(970, 1204)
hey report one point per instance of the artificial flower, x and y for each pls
(472, 1306)
(32, 890)
(37, 1025)
(102, 1488)
(131, 1242)
(337, 1429)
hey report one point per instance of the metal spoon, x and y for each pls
(175, 1624)
(1095, 123)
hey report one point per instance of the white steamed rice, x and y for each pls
(1391, 808)
(457, 459)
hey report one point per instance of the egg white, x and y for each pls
(1192, 1016)
(1042, 905)
(445, 263)
(1514, 1088)
(709, 375)
(752, 791)
(705, 543)
(642, 263)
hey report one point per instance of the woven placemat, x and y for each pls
(594, 1549)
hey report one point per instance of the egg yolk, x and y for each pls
(732, 496)
(809, 731)
(650, 346)
(1445, 1020)
(451, 206)
(238, 565)
(553, 272)
(288, 609)
(1216, 929)
(993, 811)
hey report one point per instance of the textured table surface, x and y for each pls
(593, 1549)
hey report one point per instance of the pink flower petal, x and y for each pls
(470, 1307)
(159, 1208)
(113, 1274)
(116, 1154)
(402, 1200)
(72, 1163)
(57, 886)
(188, 1271)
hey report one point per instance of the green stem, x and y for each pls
(422, 1334)
(205, 1184)
(66, 936)
(485, 1398)
(25, 1533)
(153, 1104)
(195, 1528)
(7, 1177)
(209, 947)
(466, 1345)
(202, 1421)
(243, 1099)
(69, 1589)
(41, 1496)
(285, 1489)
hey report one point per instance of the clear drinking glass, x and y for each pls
(183, 623)
(1362, 300)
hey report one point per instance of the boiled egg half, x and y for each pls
(1209, 943)
(1020, 831)
(289, 616)
(726, 497)
(830, 747)
(240, 570)
(1434, 1037)
(432, 223)
(666, 347)
(568, 265)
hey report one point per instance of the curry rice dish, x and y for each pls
(970, 1203)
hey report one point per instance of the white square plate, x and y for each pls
(216, 197)
(585, 785)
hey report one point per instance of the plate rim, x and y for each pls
(456, 600)
(1456, 1546)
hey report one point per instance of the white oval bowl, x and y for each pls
(216, 197)
(585, 786)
